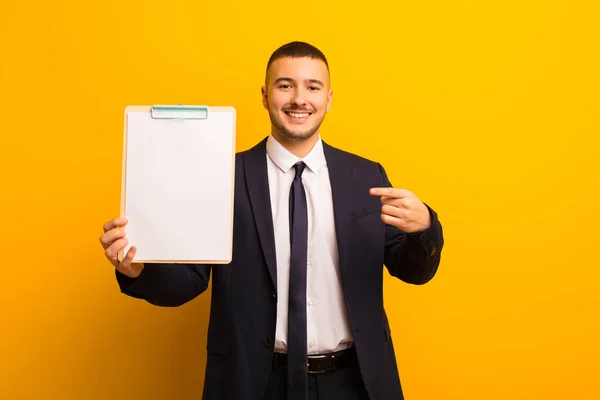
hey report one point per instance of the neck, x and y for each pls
(299, 148)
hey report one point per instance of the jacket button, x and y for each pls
(432, 248)
(268, 342)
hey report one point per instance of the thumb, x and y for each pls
(129, 268)
(126, 262)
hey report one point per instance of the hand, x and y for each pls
(402, 209)
(113, 241)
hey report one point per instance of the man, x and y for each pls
(298, 313)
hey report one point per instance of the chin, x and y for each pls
(298, 135)
(295, 132)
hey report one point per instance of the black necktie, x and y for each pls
(297, 371)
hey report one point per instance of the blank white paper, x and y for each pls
(179, 187)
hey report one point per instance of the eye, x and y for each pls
(284, 86)
(313, 88)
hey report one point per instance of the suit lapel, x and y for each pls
(257, 181)
(339, 177)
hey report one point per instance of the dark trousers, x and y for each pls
(344, 383)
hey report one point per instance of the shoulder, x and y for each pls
(358, 172)
(353, 160)
(259, 149)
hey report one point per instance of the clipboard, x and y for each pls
(177, 188)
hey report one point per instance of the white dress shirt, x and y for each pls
(328, 328)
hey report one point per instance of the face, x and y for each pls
(297, 96)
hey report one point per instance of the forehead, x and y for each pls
(299, 69)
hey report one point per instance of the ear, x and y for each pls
(265, 97)
(329, 96)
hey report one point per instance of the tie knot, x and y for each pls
(299, 168)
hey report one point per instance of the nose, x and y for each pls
(299, 98)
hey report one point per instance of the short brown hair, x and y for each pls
(297, 49)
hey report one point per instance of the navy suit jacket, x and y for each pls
(241, 328)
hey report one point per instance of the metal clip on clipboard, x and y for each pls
(179, 112)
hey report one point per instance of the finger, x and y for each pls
(400, 203)
(390, 192)
(394, 211)
(126, 263)
(109, 237)
(115, 223)
(113, 250)
(391, 220)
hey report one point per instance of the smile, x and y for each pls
(298, 115)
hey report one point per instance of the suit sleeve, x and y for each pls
(166, 285)
(413, 257)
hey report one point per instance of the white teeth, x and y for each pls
(299, 115)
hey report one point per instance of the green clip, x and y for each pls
(179, 112)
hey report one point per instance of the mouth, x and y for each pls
(298, 116)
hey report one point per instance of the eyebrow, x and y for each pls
(286, 79)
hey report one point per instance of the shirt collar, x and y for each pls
(285, 160)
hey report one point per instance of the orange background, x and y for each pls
(488, 111)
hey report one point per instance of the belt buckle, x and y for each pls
(321, 363)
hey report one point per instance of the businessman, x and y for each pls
(298, 313)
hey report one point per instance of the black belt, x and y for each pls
(320, 363)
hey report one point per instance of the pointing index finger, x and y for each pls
(389, 192)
